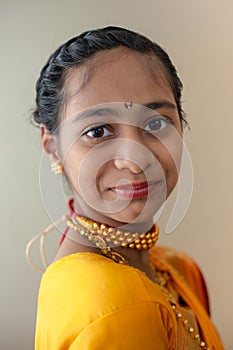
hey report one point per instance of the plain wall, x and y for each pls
(198, 35)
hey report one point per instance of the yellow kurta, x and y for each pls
(87, 301)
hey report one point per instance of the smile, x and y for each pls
(135, 190)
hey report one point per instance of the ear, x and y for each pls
(49, 143)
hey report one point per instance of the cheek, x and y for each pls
(105, 178)
(173, 160)
(173, 164)
(85, 169)
(72, 160)
(169, 154)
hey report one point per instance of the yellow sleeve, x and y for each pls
(136, 327)
(116, 308)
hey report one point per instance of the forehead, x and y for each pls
(116, 75)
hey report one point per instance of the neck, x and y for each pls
(136, 258)
(75, 242)
(133, 226)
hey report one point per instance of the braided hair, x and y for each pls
(76, 52)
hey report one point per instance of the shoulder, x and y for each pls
(83, 295)
(99, 277)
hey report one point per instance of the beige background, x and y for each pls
(198, 34)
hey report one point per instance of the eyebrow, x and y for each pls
(96, 112)
(160, 104)
(106, 111)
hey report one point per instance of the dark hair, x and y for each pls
(79, 50)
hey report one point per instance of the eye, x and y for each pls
(98, 132)
(157, 123)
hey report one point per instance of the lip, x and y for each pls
(135, 190)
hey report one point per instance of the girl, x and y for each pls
(109, 110)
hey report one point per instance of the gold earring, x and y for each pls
(57, 168)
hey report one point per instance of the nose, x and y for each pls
(132, 152)
(123, 163)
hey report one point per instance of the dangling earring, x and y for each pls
(57, 168)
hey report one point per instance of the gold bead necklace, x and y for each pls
(159, 279)
(113, 237)
(103, 237)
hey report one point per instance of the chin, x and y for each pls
(135, 215)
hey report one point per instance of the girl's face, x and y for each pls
(120, 137)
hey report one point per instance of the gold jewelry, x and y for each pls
(101, 235)
(57, 168)
(112, 236)
(160, 280)
(118, 258)
(97, 240)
